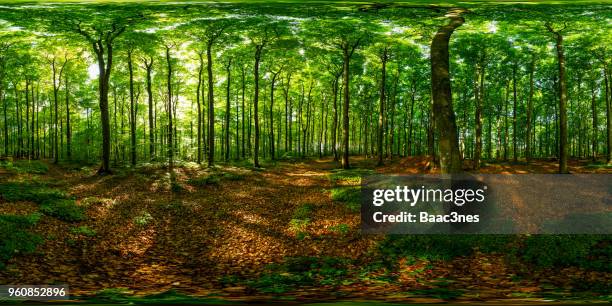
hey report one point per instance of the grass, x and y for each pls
(53, 202)
(341, 229)
(442, 247)
(301, 219)
(349, 195)
(592, 252)
(300, 271)
(25, 166)
(143, 219)
(15, 236)
(83, 231)
(36, 193)
(63, 209)
(214, 179)
(350, 176)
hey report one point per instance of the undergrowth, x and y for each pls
(15, 236)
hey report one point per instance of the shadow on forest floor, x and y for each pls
(285, 233)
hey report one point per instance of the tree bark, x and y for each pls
(528, 140)
(595, 123)
(479, 92)
(272, 152)
(68, 129)
(132, 111)
(563, 150)
(258, 50)
(211, 107)
(170, 128)
(444, 116)
(381, 114)
(227, 110)
(514, 115)
(199, 108)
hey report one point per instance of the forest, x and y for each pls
(215, 149)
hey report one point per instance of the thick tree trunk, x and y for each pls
(563, 149)
(104, 67)
(444, 116)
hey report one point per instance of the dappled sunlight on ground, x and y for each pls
(150, 238)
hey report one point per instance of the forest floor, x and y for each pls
(285, 232)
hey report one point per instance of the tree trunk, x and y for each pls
(594, 112)
(199, 109)
(335, 121)
(381, 114)
(243, 108)
(68, 130)
(55, 110)
(6, 135)
(211, 107)
(444, 116)
(227, 110)
(346, 55)
(528, 139)
(170, 128)
(132, 111)
(479, 93)
(562, 101)
(514, 115)
(608, 115)
(258, 50)
(272, 153)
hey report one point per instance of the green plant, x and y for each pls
(15, 235)
(341, 229)
(63, 209)
(92, 201)
(349, 195)
(36, 193)
(233, 176)
(349, 176)
(83, 230)
(175, 186)
(212, 179)
(586, 251)
(303, 211)
(25, 166)
(442, 247)
(298, 225)
(143, 219)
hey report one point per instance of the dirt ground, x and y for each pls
(194, 238)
